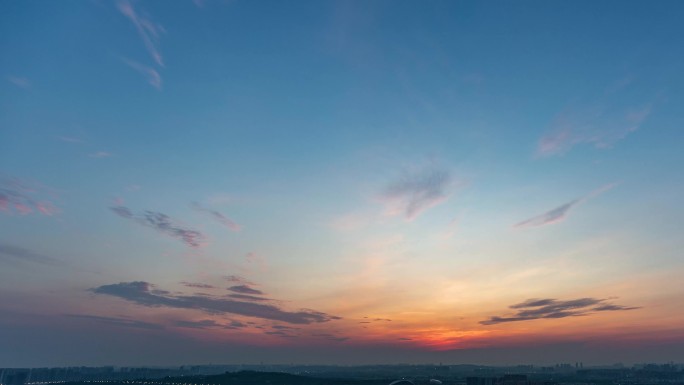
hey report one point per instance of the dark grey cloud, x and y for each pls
(224, 220)
(162, 223)
(127, 322)
(203, 324)
(248, 297)
(245, 289)
(143, 293)
(280, 333)
(14, 253)
(549, 217)
(417, 191)
(197, 285)
(533, 309)
(283, 327)
(234, 325)
(122, 211)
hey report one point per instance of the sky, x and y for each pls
(341, 182)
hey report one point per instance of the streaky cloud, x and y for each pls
(245, 289)
(198, 285)
(550, 308)
(147, 30)
(224, 220)
(598, 127)
(15, 253)
(203, 324)
(559, 213)
(549, 217)
(281, 333)
(238, 280)
(162, 223)
(152, 76)
(248, 297)
(127, 322)
(416, 191)
(100, 154)
(145, 294)
(24, 198)
(19, 81)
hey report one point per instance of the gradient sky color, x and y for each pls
(341, 182)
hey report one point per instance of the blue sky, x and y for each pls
(436, 164)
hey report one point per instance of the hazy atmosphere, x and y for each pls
(341, 182)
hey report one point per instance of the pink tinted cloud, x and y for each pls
(147, 30)
(25, 198)
(46, 208)
(602, 129)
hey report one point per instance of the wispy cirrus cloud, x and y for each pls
(162, 223)
(559, 213)
(70, 139)
(145, 294)
(19, 81)
(14, 253)
(550, 217)
(148, 30)
(100, 154)
(550, 308)
(416, 191)
(116, 321)
(599, 128)
(238, 279)
(152, 76)
(24, 197)
(224, 220)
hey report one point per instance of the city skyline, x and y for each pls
(340, 182)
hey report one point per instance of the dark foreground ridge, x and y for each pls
(245, 377)
(644, 374)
